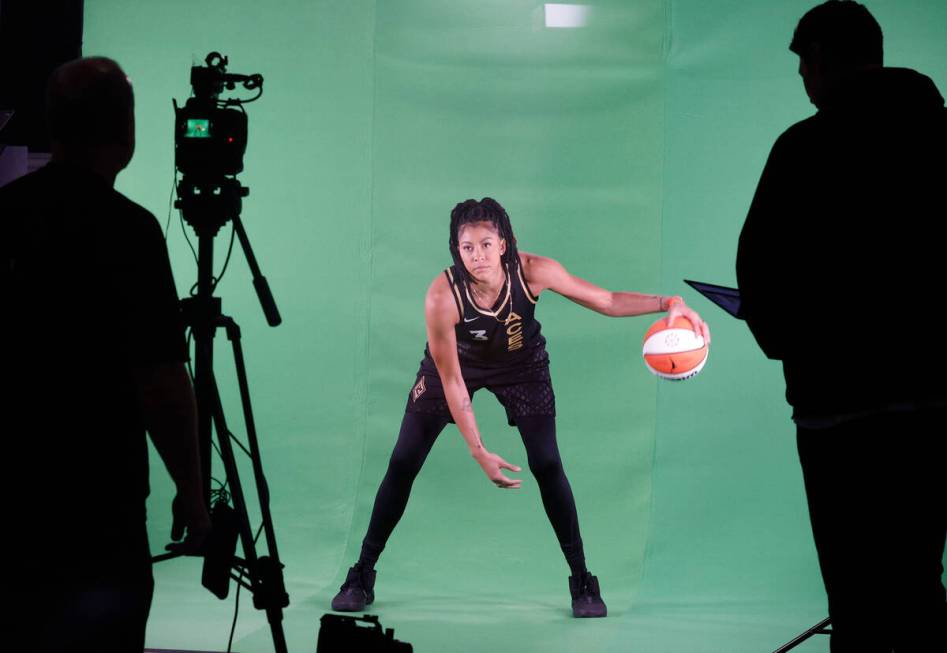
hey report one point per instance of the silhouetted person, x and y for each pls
(839, 265)
(93, 354)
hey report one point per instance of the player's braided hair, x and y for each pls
(486, 210)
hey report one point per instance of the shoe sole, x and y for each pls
(351, 607)
(583, 614)
(348, 608)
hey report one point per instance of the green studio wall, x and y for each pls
(627, 149)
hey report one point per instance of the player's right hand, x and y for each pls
(492, 465)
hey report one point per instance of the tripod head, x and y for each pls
(208, 204)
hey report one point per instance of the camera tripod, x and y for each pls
(207, 205)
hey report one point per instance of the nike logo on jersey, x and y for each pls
(480, 334)
(471, 319)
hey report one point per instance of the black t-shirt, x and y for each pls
(840, 258)
(88, 296)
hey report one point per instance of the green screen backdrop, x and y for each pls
(628, 149)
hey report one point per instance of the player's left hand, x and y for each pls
(680, 309)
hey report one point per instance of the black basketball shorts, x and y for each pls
(522, 391)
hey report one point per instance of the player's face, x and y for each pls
(480, 249)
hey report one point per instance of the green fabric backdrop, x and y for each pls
(628, 150)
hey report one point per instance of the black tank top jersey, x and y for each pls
(506, 335)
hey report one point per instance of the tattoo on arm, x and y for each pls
(466, 406)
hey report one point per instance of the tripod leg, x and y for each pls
(199, 313)
(272, 595)
(263, 490)
(259, 570)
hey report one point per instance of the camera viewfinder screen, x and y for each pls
(197, 128)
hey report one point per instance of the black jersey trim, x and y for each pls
(507, 299)
(529, 293)
(456, 293)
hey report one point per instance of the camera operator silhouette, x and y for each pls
(839, 266)
(93, 357)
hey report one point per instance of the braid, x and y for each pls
(486, 210)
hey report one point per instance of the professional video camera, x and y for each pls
(210, 134)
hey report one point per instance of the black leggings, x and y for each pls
(417, 436)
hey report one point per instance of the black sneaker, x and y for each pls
(356, 592)
(586, 598)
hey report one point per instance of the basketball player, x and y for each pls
(481, 334)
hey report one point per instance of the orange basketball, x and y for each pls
(674, 352)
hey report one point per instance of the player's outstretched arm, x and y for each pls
(441, 317)
(543, 273)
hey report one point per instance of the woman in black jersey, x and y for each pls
(482, 334)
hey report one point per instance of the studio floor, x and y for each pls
(433, 616)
